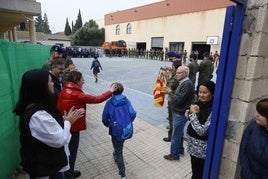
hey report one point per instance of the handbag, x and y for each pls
(159, 95)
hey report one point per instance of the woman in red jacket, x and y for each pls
(73, 95)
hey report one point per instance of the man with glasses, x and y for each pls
(57, 69)
(181, 99)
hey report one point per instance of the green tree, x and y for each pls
(78, 23)
(89, 35)
(45, 25)
(72, 26)
(91, 24)
(39, 23)
(23, 27)
(67, 29)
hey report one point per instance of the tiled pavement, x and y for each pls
(143, 153)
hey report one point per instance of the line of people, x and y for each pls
(205, 69)
(184, 104)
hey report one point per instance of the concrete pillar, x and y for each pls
(10, 36)
(14, 35)
(32, 32)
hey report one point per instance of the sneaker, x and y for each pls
(124, 177)
(170, 157)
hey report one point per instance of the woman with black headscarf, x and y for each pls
(199, 116)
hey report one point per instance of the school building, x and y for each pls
(173, 25)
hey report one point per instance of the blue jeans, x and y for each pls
(118, 153)
(177, 135)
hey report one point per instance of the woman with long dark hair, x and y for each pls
(44, 132)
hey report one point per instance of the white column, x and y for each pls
(10, 36)
(32, 32)
(14, 35)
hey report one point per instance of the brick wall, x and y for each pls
(251, 83)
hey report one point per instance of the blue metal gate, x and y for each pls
(225, 78)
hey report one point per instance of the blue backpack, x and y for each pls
(121, 123)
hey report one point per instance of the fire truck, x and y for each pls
(115, 48)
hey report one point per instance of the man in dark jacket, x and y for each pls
(181, 100)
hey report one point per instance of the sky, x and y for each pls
(58, 10)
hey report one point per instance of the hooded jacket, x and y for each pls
(72, 95)
(115, 101)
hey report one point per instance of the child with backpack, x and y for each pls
(118, 114)
(96, 66)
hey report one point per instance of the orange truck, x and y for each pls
(115, 48)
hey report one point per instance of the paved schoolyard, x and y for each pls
(143, 153)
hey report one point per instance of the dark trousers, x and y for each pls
(197, 167)
(118, 153)
(170, 120)
(58, 175)
(73, 147)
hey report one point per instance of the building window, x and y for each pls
(129, 28)
(117, 30)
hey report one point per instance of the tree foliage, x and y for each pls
(91, 24)
(78, 23)
(67, 29)
(41, 24)
(38, 23)
(23, 27)
(46, 29)
(89, 35)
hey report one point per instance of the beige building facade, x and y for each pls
(172, 25)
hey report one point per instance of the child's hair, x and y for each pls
(262, 107)
(119, 88)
